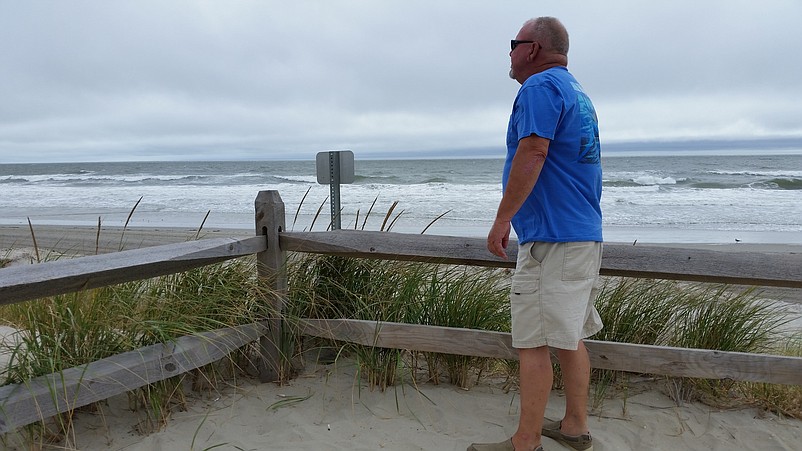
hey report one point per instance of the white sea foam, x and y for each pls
(647, 193)
(654, 180)
(298, 178)
(772, 174)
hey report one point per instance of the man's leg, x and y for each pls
(575, 367)
(535, 386)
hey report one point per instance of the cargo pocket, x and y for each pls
(581, 261)
(524, 286)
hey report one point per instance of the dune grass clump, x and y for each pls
(389, 291)
(716, 317)
(698, 316)
(784, 400)
(332, 287)
(633, 311)
(70, 330)
(637, 310)
(464, 298)
(719, 318)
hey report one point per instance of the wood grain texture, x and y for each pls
(272, 271)
(45, 396)
(676, 362)
(26, 282)
(447, 340)
(659, 262)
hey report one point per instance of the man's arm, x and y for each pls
(524, 172)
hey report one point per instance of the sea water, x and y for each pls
(673, 198)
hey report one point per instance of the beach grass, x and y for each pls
(70, 330)
(784, 400)
(697, 316)
(389, 291)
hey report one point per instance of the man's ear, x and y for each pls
(533, 51)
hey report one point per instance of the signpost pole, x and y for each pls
(334, 168)
(334, 189)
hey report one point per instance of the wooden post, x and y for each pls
(271, 268)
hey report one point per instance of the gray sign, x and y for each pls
(335, 164)
(333, 168)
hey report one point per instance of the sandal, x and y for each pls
(582, 442)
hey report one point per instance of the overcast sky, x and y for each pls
(174, 80)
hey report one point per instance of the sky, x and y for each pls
(220, 80)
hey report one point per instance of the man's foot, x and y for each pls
(501, 446)
(582, 442)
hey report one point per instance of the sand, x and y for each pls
(80, 240)
(330, 406)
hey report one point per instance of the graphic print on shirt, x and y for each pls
(589, 149)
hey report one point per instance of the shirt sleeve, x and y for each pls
(538, 109)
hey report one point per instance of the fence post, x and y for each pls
(271, 269)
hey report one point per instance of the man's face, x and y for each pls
(519, 56)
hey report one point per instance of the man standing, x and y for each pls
(552, 189)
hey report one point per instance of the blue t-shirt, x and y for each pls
(565, 202)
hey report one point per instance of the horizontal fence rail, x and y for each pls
(636, 358)
(658, 262)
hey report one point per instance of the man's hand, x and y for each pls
(498, 238)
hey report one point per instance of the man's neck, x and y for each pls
(546, 66)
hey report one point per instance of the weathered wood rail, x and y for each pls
(657, 262)
(23, 283)
(48, 395)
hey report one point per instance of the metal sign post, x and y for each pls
(335, 167)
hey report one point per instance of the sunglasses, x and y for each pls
(514, 43)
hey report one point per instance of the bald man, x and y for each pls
(552, 190)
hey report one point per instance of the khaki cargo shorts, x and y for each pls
(552, 294)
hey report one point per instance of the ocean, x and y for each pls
(651, 199)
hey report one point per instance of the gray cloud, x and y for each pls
(97, 80)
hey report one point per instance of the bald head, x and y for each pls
(542, 43)
(550, 33)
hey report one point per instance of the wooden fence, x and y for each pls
(48, 395)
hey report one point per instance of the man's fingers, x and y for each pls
(497, 250)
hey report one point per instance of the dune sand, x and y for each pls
(329, 407)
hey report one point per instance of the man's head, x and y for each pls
(542, 43)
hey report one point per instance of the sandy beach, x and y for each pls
(82, 240)
(330, 406)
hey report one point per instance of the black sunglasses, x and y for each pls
(514, 43)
